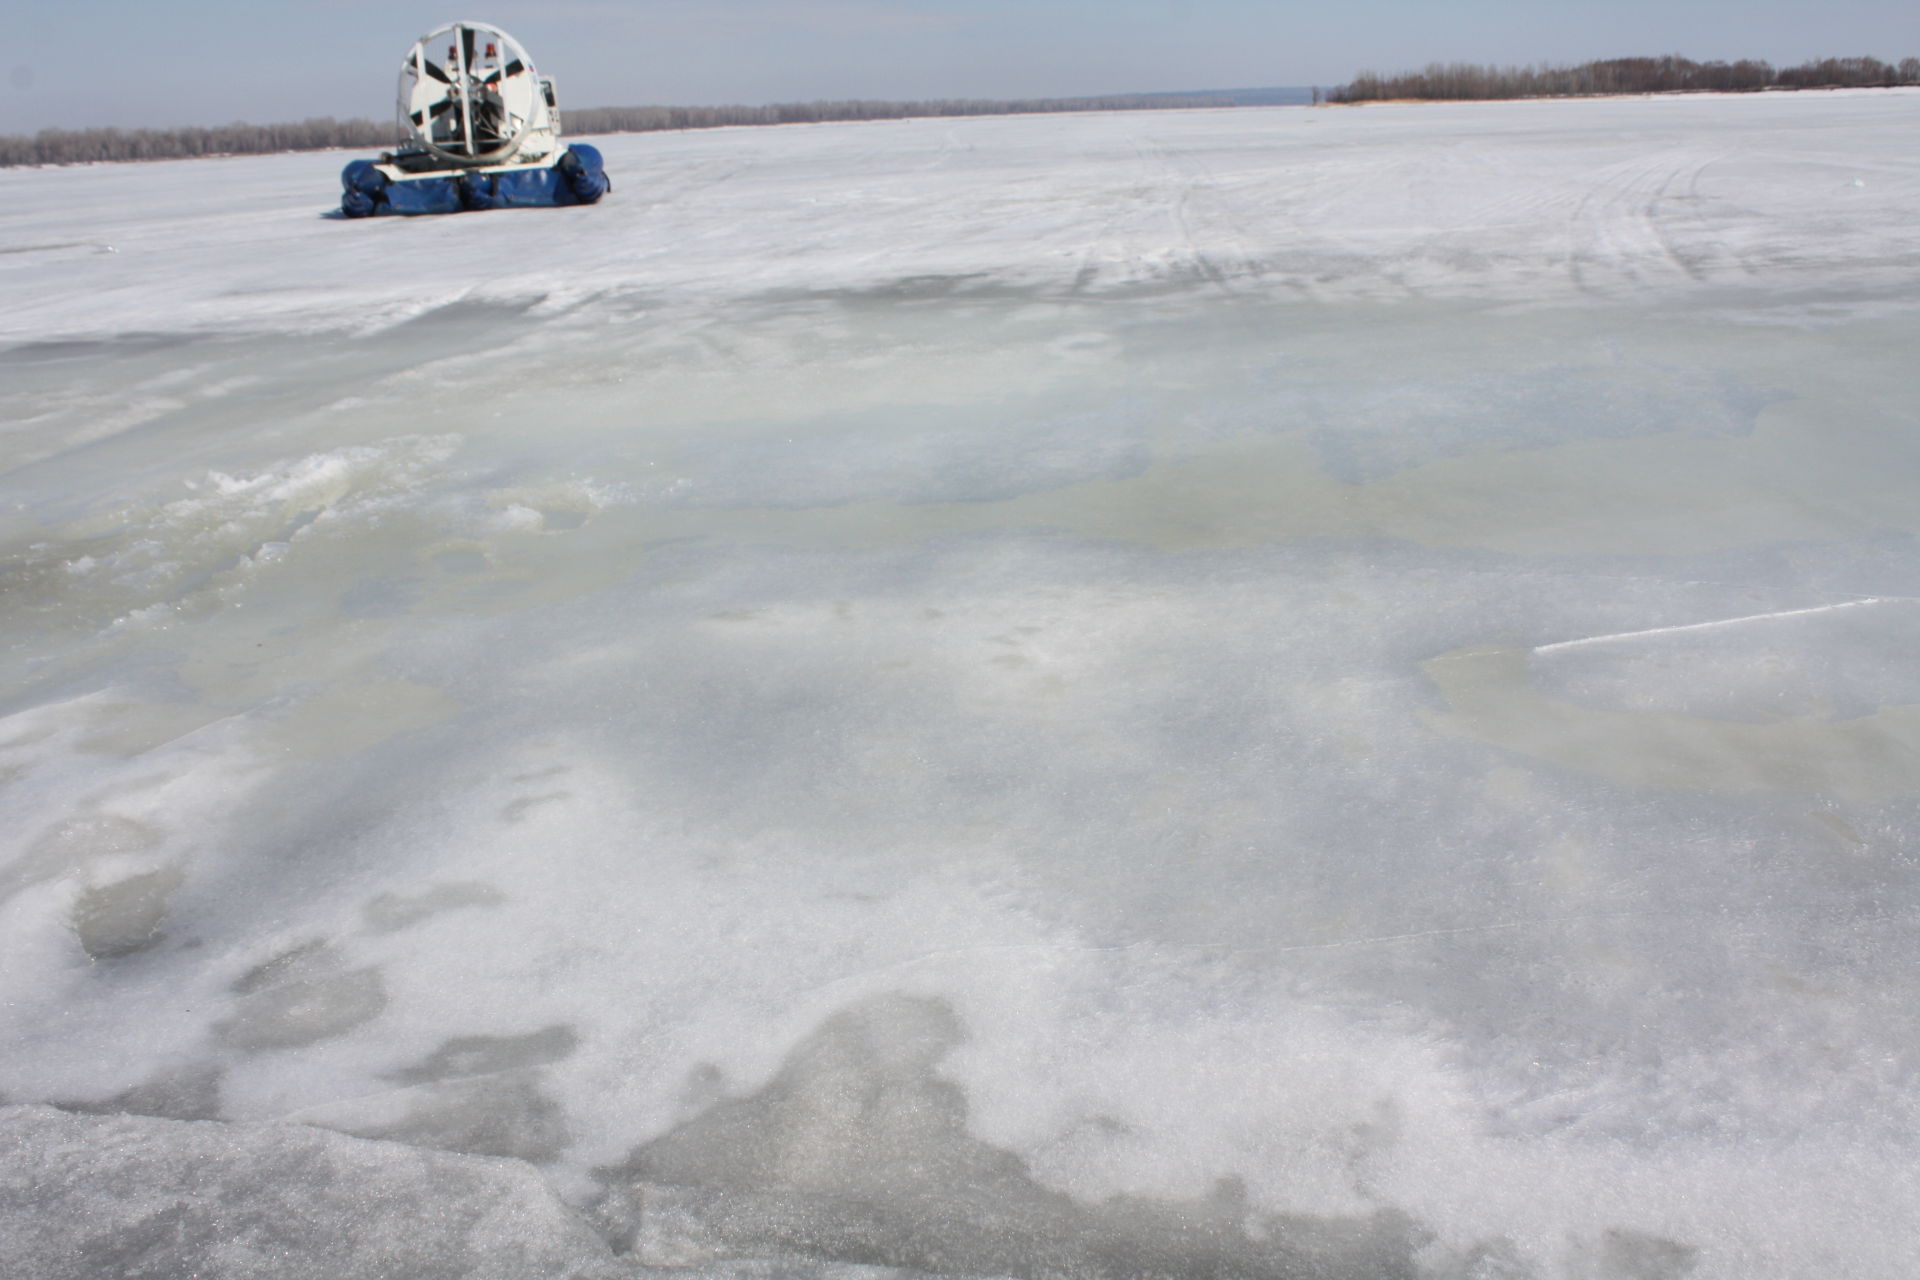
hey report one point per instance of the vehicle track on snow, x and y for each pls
(1621, 226)
(1191, 257)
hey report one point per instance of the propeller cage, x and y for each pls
(469, 96)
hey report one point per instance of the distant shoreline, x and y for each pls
(107, 145)
(1601, 97)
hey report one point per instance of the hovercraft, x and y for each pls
(483, 132)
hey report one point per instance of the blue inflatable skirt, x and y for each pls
(578, 177)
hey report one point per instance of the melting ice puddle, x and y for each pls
(1491, 696)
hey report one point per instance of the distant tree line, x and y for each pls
(84, 146)
(1672, 74)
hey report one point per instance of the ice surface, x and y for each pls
(85, 1197)
(1266, 692)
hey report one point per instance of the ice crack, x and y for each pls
(1723, 622)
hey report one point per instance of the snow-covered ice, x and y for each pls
(1296, 693)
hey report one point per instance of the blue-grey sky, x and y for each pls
(78, 63)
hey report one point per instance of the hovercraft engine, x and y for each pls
(483, 132)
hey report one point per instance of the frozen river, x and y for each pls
(1260, 693)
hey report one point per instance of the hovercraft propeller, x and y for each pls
(483, 104)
